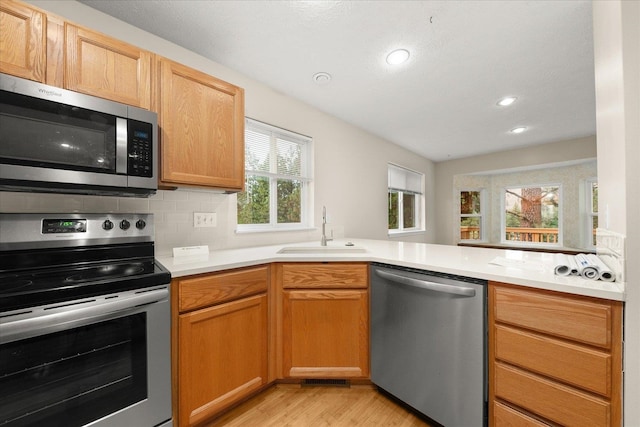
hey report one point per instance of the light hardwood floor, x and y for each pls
(295, 406)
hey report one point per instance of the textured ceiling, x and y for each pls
(465, 55)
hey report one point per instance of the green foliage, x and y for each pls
(289, 201)
(513, 216)
(393, 211)
(253, 203)
(473, 221)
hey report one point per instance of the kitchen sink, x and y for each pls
(322, 250)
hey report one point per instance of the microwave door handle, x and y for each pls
(121, 146)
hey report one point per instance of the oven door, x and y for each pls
(99, 362)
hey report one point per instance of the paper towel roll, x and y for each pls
(574, 265)
(586, 268)
(604, 272)
(563, 268)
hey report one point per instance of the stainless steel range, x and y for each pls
(84, 322)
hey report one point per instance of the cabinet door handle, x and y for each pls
(431, 286)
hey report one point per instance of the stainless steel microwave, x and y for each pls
(56, 140)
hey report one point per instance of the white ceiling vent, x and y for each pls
(322, 78)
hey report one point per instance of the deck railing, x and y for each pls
(515, 234)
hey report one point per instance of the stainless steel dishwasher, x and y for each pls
(428, 342)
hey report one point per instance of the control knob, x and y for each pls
(107, 225)
(124, 224)
(140, 224)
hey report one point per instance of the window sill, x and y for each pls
(405, 232)
(545, 248)
(273, 230)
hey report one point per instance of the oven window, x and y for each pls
(73, 377)
(40, 133)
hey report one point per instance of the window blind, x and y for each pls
(275, 151)
(403, 179)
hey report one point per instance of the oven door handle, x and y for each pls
(75, 315)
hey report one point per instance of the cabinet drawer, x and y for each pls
(505, 416)
(573, 364)
(326, 276)
(553, 401)
(206, 290)
(576, 318)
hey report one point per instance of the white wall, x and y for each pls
(616, 26)
(554, 152)
(350, 176)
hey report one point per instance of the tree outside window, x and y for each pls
(277, 178)
(531, 214)
(471, 215)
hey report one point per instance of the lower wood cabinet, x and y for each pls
(220, 348)
(326, 334)
(325, 320)
(554, 358)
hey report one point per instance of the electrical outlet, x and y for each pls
(204, 219)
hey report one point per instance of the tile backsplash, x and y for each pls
(173, 216)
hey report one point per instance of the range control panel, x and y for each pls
(75, 229)
(140, 149)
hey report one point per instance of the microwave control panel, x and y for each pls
(140, 149)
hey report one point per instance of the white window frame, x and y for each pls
(306, 178)
(481, 215)
(589, 214)
(414, 184)
(503, 217)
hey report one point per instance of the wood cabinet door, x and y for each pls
(222, 357)
(23, 39)
(202, 129)
(326, 333)
(108, 68)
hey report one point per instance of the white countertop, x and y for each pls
(533, 269)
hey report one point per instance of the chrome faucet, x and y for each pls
(323, 239)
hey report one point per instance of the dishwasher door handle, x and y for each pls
(423, 284)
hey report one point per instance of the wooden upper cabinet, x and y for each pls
(22, 41)
(202, 129)
(105, 67)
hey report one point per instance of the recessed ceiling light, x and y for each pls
(508, 100)
(519, 129)
(322, 78)
(398, 56)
